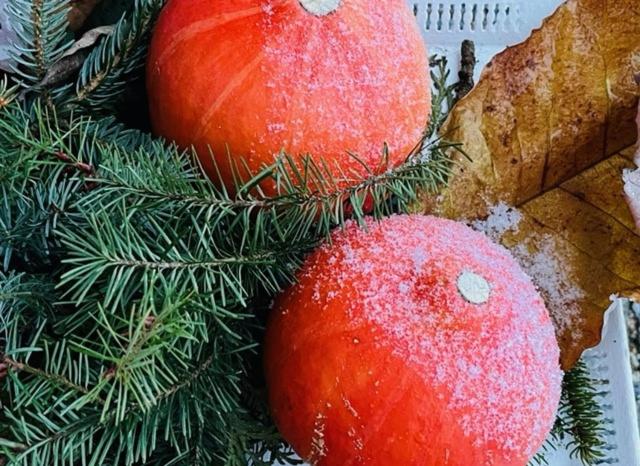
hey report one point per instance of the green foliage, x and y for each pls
(149, 331)
(580, 418)
(580, 424)
(444, 94)
(41, 26)
(116, 60)
(130, 281)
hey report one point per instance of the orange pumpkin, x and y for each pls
(250, 78)
(417, 343)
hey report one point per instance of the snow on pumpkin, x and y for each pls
(248, 79)
(415, 341)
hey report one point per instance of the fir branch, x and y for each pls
(54, 378)
(201, 369)
(85, 168)
(580, 423)
(443, 97)
(581, 418)
(116, 59)
(116, 250)
(24, 290)
(37, 188)
(29, 210)
(140, 182)
(41, 27)
(7, 93)
(25, 305)
(171, 423)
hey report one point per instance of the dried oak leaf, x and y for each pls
(545, 128)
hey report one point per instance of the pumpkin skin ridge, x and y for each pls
(379, 419)
(234, 85)
(205, 26)
(334, 396)
(155, 84)
(305, 450)
(337, 393)
(402, 385)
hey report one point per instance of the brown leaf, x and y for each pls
(545, 127)
(79, 12)
(71, 61)
(631, 295)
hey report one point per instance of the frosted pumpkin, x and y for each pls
(415, 343)
(249, 78)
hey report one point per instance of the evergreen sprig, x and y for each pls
(117, 59)
(581, 419)
(580, 426)
(41, 28)
(7, 93)
(443, 97)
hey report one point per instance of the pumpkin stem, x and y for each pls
(474, 288)
(320, 7)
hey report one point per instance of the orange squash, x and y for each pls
(417, 343)
(250, 78)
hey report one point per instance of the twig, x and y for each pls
(4, 370)
(467, 68)
(38, 43)
(197, 373)
(85, 168)
(40, 373)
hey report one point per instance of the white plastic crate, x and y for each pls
(489, 23)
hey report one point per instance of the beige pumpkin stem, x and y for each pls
(320, 7)
(474, 288)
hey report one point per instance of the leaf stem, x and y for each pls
(56, 378)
